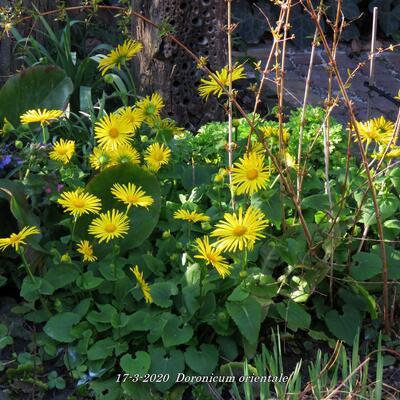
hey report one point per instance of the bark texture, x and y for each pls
(162, 66)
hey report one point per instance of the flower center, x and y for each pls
(239, 230)
(158, 156)
(252, 174)
(62, 151)
(132, 199)
(150, 109)
(14, 238)
(211, 257)
(79, 203)
(110, 228)
(113, 132)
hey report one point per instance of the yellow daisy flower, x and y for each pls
(144, 287)
(110, 225)
(99, 158)
(220, 175)
(150, 108)
(290, 161)
(394, 153)
(191, 216)
(168, 127)
(273, 132)
(42, 116)
(65, 258)
(250, 175)
(86, 249)
(383, 126)
(368, 133)
(131, 195)
(157, 155)
(63, 150)
(211, 85)
(17, 239)
(212, 255)
(238, 232)
(120, 55)
(133, 115)
(113, 131)
(78, 203)
(125, 154)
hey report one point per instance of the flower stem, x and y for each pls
(26, 265)
(244, 260)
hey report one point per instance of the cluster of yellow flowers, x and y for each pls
(377, 130)
(237, 231)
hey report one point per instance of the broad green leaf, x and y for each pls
(106, 389)
(139, 365)
(101, 349)
(247, 317)
(142, 220)
(59, 326)
(294, 315)
(163, 362)
(202, 361)
(41, 86)
(344, 326)
(366, 266)
(175, 334)
(60, 276)
(161, 293)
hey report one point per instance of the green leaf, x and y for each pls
(139, 365)
(102, 349)
(294, 315)
(247, 316)
(142, 220)
(161, 293)
(59, 326)
(367, 266)
(203, 361)
(344, 326)
(88, 281)
(61, 276)
(316, 202)
(239, 294)
(174, 335)
(106, 390)
(171, 363)
(41, 86)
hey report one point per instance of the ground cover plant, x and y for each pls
(135, 253)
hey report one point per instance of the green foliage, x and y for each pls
(36, 87)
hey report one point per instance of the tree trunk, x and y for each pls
(164, 67)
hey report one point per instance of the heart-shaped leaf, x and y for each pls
(168, 364)
(203, 361)
(344, 326)
(59, 326)
(139, 365)
(174, 335)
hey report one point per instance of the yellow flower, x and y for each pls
(211, 85)
(220, 175)
(157, 155)
(78, 203)
(394, 153)
(63, 150)
(191, 216)
(150, 108)
(368, 132)
(212, 255)
(113, 131)
(250, 175)
(125, 154)
(65, 258)
(17, 239)
(273, 132)
(290, 161)
(238, 232)
(110, 225)
(120, 55)
(131, 195)
(167, 127)
(144, 287)
(382, 126)
(133, 115)
(100, 158)
(86, 249)
(42, 116)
